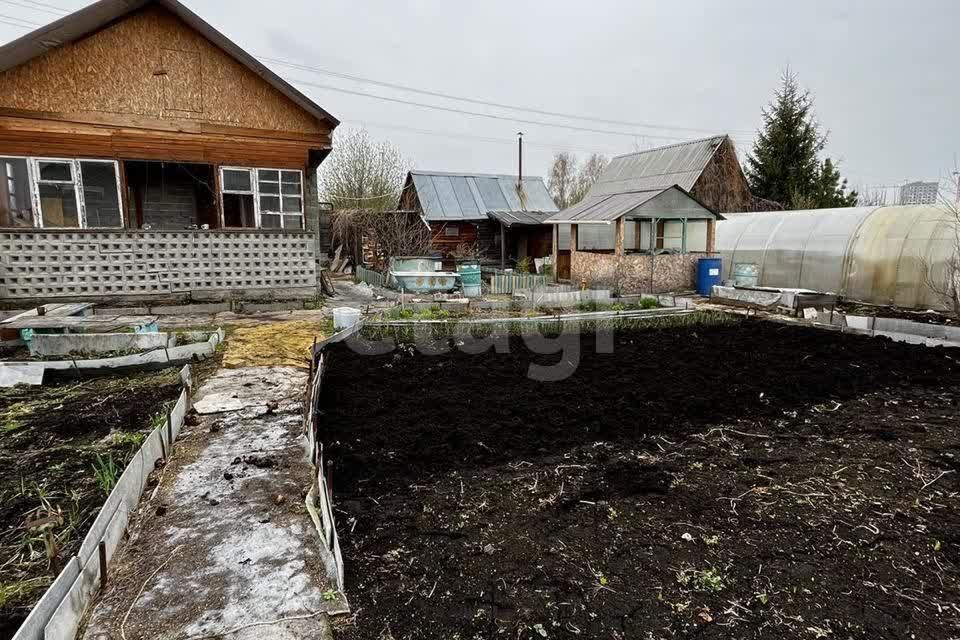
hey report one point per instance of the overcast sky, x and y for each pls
(884, 74)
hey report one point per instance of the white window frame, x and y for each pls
(254, 173)
(76, 179)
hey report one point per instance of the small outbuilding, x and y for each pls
(503, 217)
(637, 241)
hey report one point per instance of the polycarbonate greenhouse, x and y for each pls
(869, 254)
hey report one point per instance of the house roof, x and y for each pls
(657, 169)
(99, 14)
(460, 196)
(606, 208)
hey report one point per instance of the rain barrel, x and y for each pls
(469, 271)
(708, 274)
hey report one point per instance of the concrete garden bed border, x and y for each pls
(159, 358)
(58, 613)
(320, 496)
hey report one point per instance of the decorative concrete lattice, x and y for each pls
(52, 264)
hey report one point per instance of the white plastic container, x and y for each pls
(345, 317)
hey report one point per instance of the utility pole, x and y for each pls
(519, 158)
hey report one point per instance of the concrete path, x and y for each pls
(225, 547)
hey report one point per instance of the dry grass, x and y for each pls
(275, 344)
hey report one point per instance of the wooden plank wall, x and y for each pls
(40, 136)
(152, 64)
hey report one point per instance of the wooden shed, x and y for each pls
(131, 118)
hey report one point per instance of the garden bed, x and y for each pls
(61, 449)
(752, 480)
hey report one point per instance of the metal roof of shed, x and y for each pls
(672, 202)
(458, 196)
(511, 218)
(676, 164)
(79, 24)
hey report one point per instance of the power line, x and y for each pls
(28, 22)
(478, 114)
(14, 24)
(488, 103)
(467, 136)
(32, 8)
(47, 6)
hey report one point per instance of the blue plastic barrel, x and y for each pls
(708, 274)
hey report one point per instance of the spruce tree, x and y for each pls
(784, 165)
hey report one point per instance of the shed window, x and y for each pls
(268, 198)
(697, 235)
(596, 237)
(451, 231)
(671, 235)
(16, 205)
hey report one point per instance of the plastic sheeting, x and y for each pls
(870, 254)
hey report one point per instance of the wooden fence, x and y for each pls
(371, 277)
(508, 282)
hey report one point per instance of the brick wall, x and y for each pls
(48, 264)
(636, 273)
(169, 206)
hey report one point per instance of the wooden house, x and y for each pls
(145, 154)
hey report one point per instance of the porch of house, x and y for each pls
(92, 229)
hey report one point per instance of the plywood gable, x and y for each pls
(152, 64)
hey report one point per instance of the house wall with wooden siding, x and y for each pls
(153, 65)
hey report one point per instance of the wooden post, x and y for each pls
(102, 548)
(618, 238)
(124, 200)
(556, 252)
(503, 246)
(169, 430)
(683, 237)
(218, 196)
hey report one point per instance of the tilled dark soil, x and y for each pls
(747, 481)
(51, 439)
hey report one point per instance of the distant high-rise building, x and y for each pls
(919, 193)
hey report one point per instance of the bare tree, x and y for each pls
(362, 173)
(562, 180)
(588, 175)
(374, 237)
(871, 197)
(943, 279)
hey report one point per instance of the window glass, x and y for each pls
(268, 174)
(291, 205)
(629, 235)
(237, 180)
(596, 237)
(100, 197)
(563, 237)
(673, 234)
(451, 231)
(645, 240)
(270, 220)
(58, 205)
(238, 210)
(696, 235)
(269, 204)
(54, 171)
(16, 204)
(293, 222)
